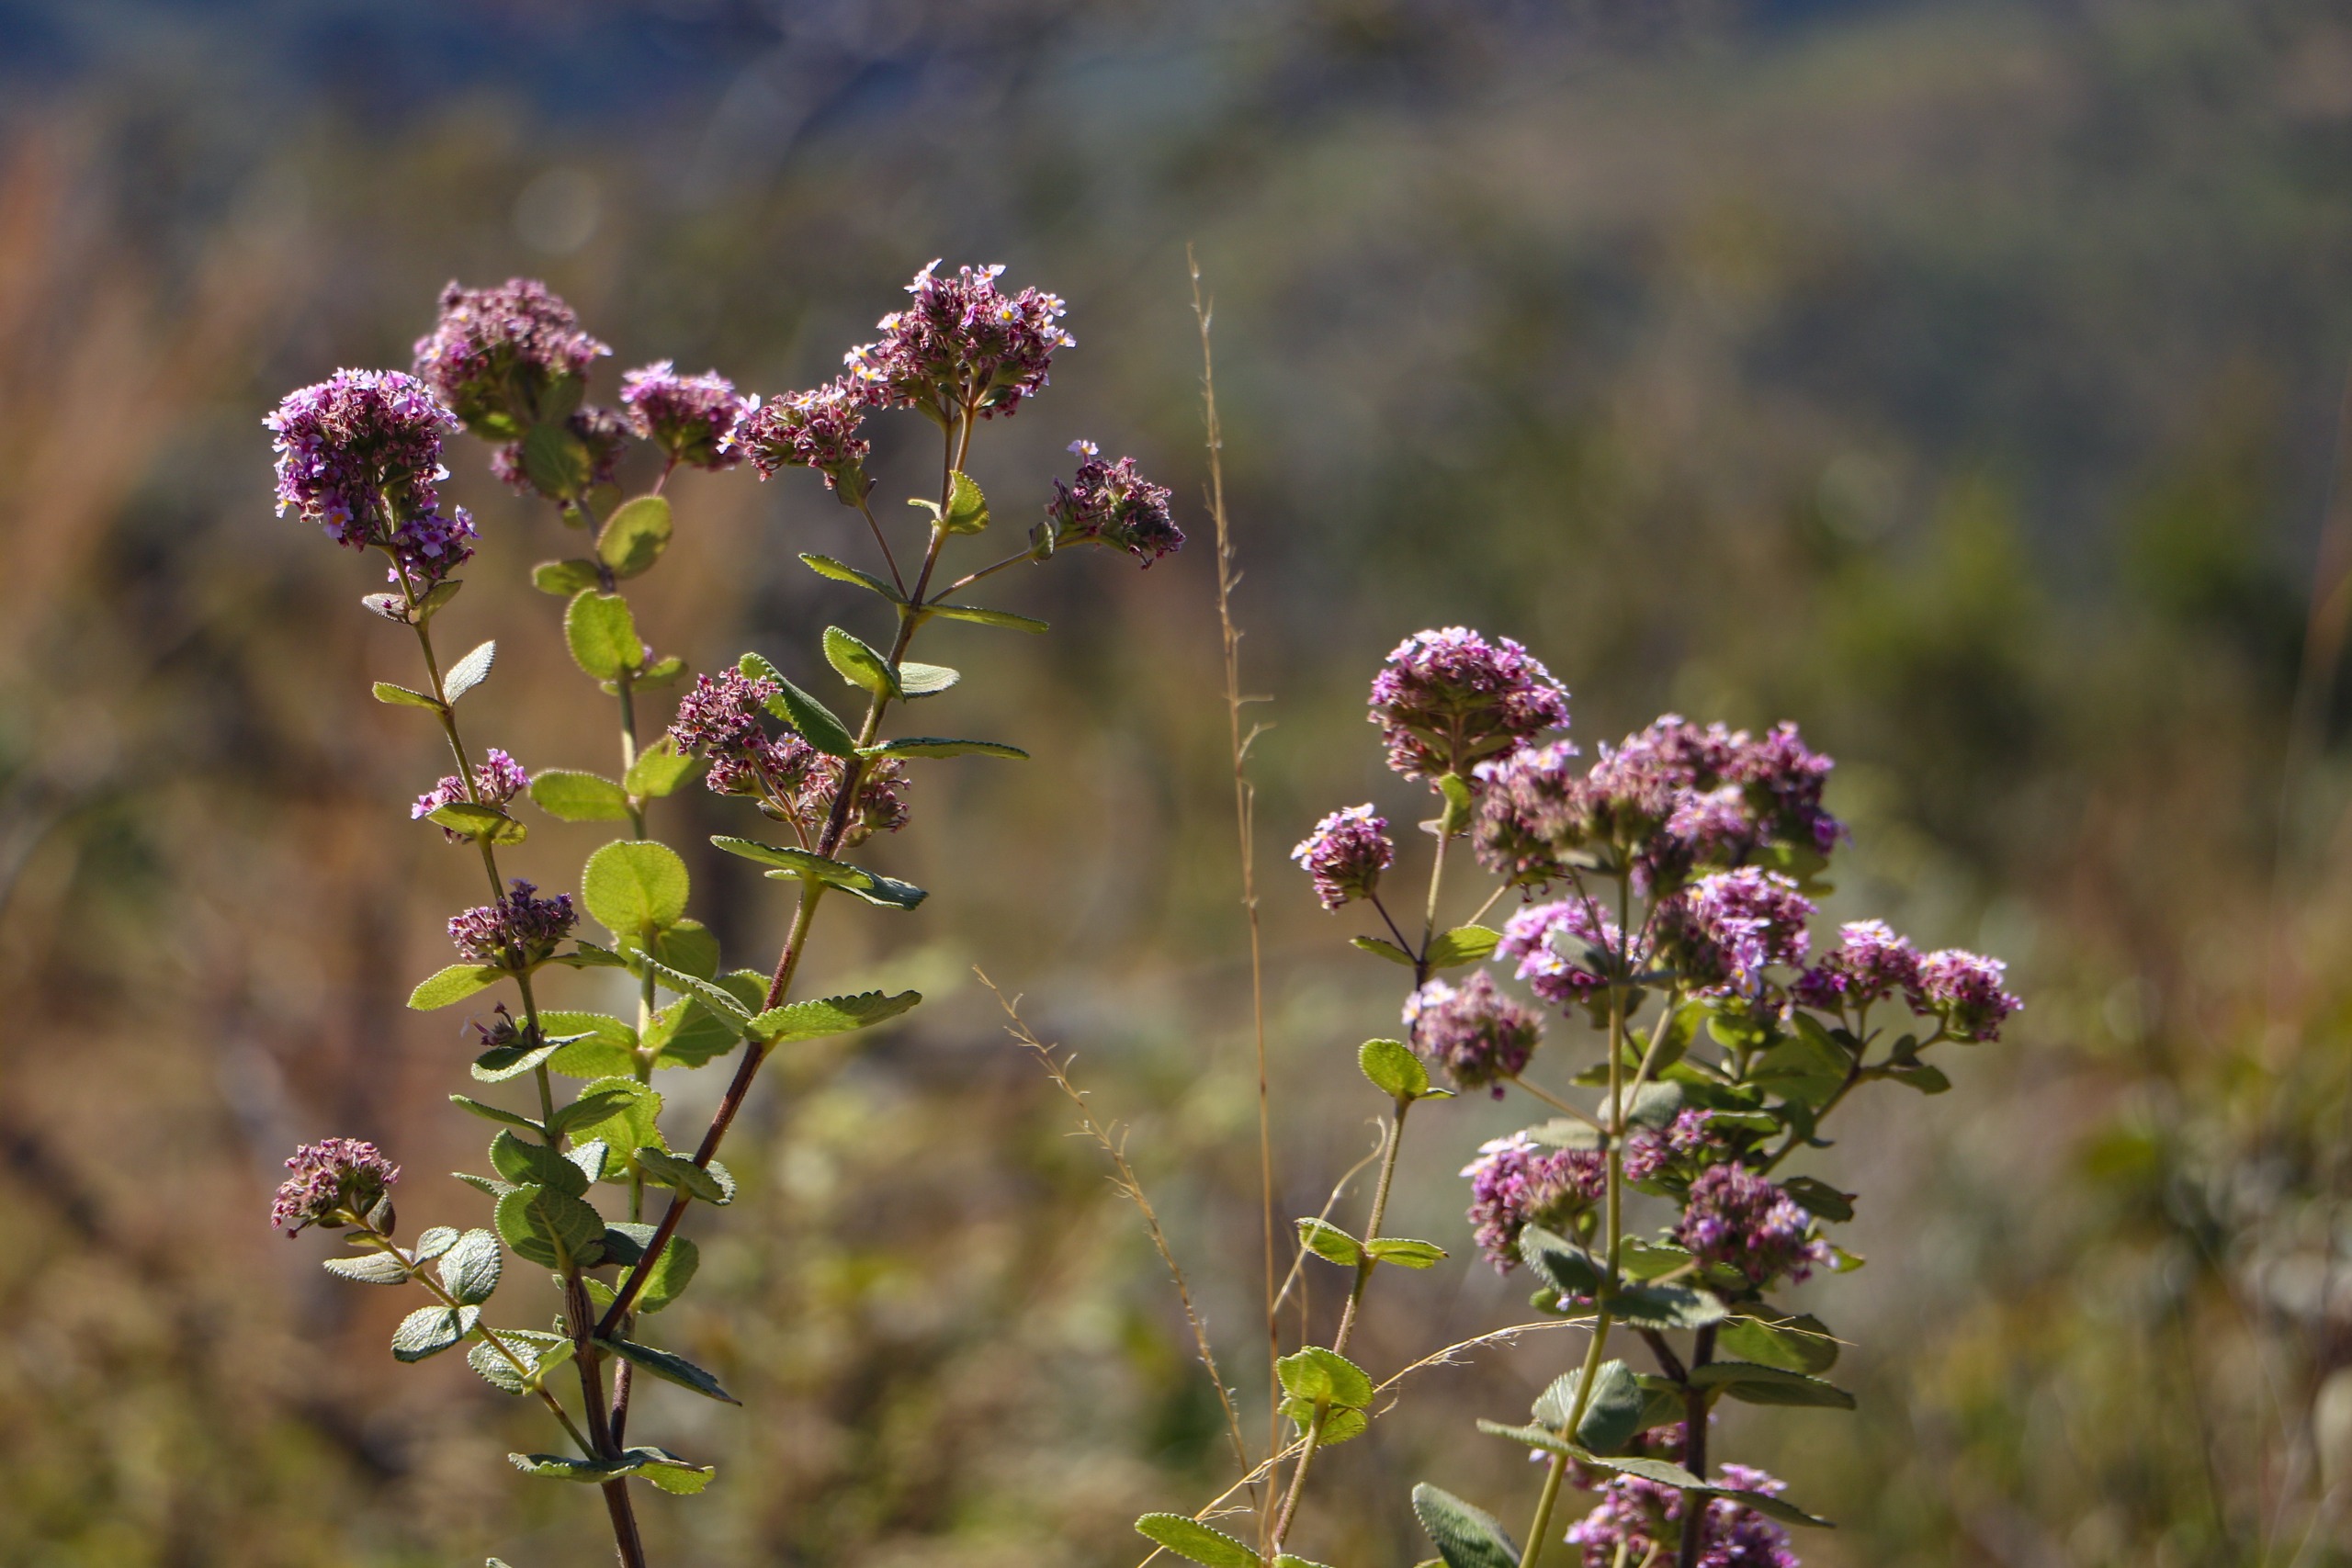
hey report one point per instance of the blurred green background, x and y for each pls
(1961, 380)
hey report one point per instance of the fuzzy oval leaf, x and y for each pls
(550, 1228)
(683, 1174)
(811, 719)
(872, 887)
(577, 796)
(479, 822)
(453, 984)
(1329, 1242)
(673, 1272)
(857, 664)
(1393, 1069)
(1465, 1536)
(670, 1368)
(968, 509)
(839, 572)
(1758, 1384)
(1798, 1344)
(470, 672)
(565, 577)
(1315, 1374)
(1406, 1252)
(370, 1269)
(430, 1330)
(556, 461)
(1195, 1541)
(635, 536)
(832, 1015)
(600, 1044)
(400, 696)
(635, 885)
(659, 769)
(1614, 1415)
(469, 1269)
(1384, 947)
(930, 746)
(923, 680)
(1463, 944)
(1663, 1306)
(624, 1114)
(602, 635)
(980, 617)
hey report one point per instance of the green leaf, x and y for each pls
(688, 1034)
(1760, 1384)
(724, 1003)
(1663, 1307)
(1195, 1541)
(659, 769)
(479, 822)
(923, 680)
(869, 885)
(556, 461)
(1459, 804)
(453, 984)
(635, 885)
(539, 1351)
(1798, 1344)
(670, 1368)
(469, 1269)
(627, 1117)
(1638, 1259)
(1771, 1507)
(677, 1171)
(858, 664)
(929, 746)
(1393, 1069)
(968, 509)
(374, 1267)
(1318, 1376)
(588, 956)
(660, 673)
(576, 797)
(429, 1331)
(1328, 1241)
(400, 696)
(600, 1045)
(1406, 1252)
(659, 1466)
(565, 577)
(1463, 944)
(1533, 1436)
(550, 1228)
(1384, 947)
(1465, 1536)
(673, 1272)
(1613, 1414)
(826, 566)
(1666, 1474)
(602, 635)
(812, 719)
(470, 672)
(635, 536)
(980, 617)
(832, 1015)
(500, 1063)
(1559, 1263)
(524, 1164)
(490, 1185)
(1820, 1200)
(688, 946)
(1925, 1077)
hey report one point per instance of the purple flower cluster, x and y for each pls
(498, 778)
(1447, 700)
(1964, 991)
(1516, 1182)
(1649, 1151)
(496, 354)
(516, 931)
(792, 780)
(359, 453)
(692, 418)
(1111, 503)
(1739, 1219)
(963, 344)
(1869, 964)
(1669, 799)
(1639, 1521)
(721, 714)
(1346, 854)
(1476, 1033)
(1724, 930)
(1550, 942)
(816, 429)
(335, 1182)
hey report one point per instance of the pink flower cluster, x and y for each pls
(498, 778)
(1551, 943)
(359, 453)
(1447, 700)
(1478, 1035)
(336, 1181)
(1346, 854)
(1739, 1219)
(516, 931)
(692, 418)
(793, 781)
(963, 344)
(1639, 1521)
(1725, 928)
(1871, 963)
(496, 354)
(1111, 503)
(1516, 1182)
(816, 429)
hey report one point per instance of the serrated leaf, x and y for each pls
(924, 679)
(1459, 805)
(929, 746)
(1195, 1541)
(1384, 947)
(659, 1466)
(826, 566)
(1534, 1437)
(689, 946)
(723, 1003)
(600, 1045)
(400, 696)
(479, 822)
(590, 1156)
(1758, 1384)
(453, 984)
(816, 1020)
(659, 769)
(811, 719)
(673, 1272)
(552, 1229)
(1329, 1242)
(1406, 1252)
(490, 1185)
(1797, 1344)
(1819, 1198)
(469, 1269)
(565, 577)
(981, 617)
(500, 1063)
(1463, 944)
(588, 956)
(1393, 1069)
(635, 885)
(968, 509)
(678, 1171)
(470, 672)
(1613, 1414)
(1925, 1077)
(528, 1163)
(1560, 1263)
(872, 887)
(539, 1351)
(1465, 1536)
(577, 796)
(429, 1331)
(602, 635)
(635, 536)
(598, 1103)
(688, 1034)
(629, 1115)
(370, 1268)
(436, 1241)
(670, 1368)
(859, 665)
(1663, 1306)
(1318, 1375)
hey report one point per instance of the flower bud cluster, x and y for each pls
(498, 778)
(1562, 948)
(1111, 503)
(516, 931)
(792, 780)
(816, 429)
(336, 1181)
(1725, 928)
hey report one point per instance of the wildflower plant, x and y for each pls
(590, 1187)
(1666, 904)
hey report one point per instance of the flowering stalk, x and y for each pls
(361, 456)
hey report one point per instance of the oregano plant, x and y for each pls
(587, 1184)
(1665, 905)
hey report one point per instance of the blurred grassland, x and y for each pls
(1960, 381)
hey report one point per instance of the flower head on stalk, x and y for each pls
(1639, 1520)
(498, 778)
(1516, 1182)
(1477, 1034)
(792, 780)
(1110, 503)
(336, 1181)
(1346, 854)
(1739, 1219)
(1561, 947)
(1447, 700)
(514, 932)
(1649, 1150)
(504, 357)
(816, 429)
(1964, 991)
(963, 344)
(1869, 964)
(692, 418)
(359, 453)
(1724, 930)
